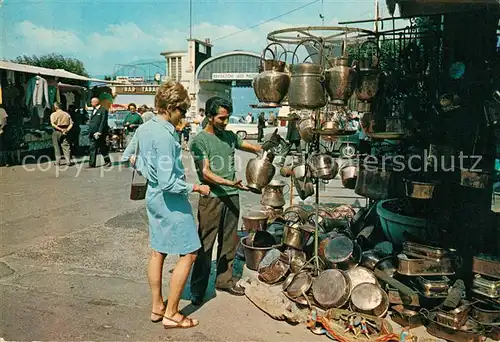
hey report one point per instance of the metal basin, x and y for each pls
(253, 255)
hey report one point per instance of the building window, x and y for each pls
(179, 69)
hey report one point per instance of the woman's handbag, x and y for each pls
(139, 182)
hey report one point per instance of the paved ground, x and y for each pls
(73, 251)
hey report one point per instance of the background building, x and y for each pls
(205, 75)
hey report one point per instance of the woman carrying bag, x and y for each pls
(155, 153)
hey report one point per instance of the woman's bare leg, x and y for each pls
(177, 283)
(155, 271)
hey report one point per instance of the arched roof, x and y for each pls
(233, 62)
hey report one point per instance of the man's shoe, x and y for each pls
(196, 301)
(235, 290)
(107, 164)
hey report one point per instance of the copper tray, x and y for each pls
(425, 266)
(334, 132)
(406, 317)
(487, 265)
(387, 135)
(470, 332)
(264, 105)
(423, 251)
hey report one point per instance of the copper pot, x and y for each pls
(340, 81)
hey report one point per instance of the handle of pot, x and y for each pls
(263, 54)
(424, 312)
(314, 41)
(286, 52)
(268, 48)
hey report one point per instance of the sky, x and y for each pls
(105, 33)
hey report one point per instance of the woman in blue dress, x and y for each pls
(172, 228)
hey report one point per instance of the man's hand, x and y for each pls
(97, 135)
(204, 190)
(239, 185)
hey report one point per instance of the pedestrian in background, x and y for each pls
(131, 122)
(62, 124)
(98, 128)
(172, 229)
(261, 124)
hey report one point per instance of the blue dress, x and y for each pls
(172, 228)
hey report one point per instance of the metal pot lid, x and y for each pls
(367, 297)
(361, 275)
(275, 182)
(301, 283)
(330, 288)
(256, 215)
(339, 249)
(288, 281)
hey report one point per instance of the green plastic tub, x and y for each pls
(398, 228)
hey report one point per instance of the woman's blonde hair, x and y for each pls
(172, 95)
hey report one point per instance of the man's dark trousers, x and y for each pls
(216, 216)
(95, 145)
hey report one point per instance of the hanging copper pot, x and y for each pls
(340, 81)
(271, 85)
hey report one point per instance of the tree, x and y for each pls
(54, 61)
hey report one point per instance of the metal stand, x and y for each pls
(319, 39)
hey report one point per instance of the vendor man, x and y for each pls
(213, 150)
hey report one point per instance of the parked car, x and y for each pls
(346, 146)
(238, 125)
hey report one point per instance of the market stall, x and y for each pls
(27, 96)
(404, 260)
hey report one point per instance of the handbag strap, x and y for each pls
(136, 157)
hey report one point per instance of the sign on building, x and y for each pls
(122, 79)
(234, 76)
(136, 79)
(149, 89)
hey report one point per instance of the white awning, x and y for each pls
(47, 72)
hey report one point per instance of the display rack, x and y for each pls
(323, 40)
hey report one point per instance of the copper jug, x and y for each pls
(274, 194)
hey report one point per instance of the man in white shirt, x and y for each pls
(249, 118)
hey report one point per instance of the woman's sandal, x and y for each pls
(158, 320)
(180, 324)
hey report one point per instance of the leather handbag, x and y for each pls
(139, 183)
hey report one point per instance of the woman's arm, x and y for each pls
(131, 148)
(168, 180)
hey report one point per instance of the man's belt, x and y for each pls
(62, 126)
